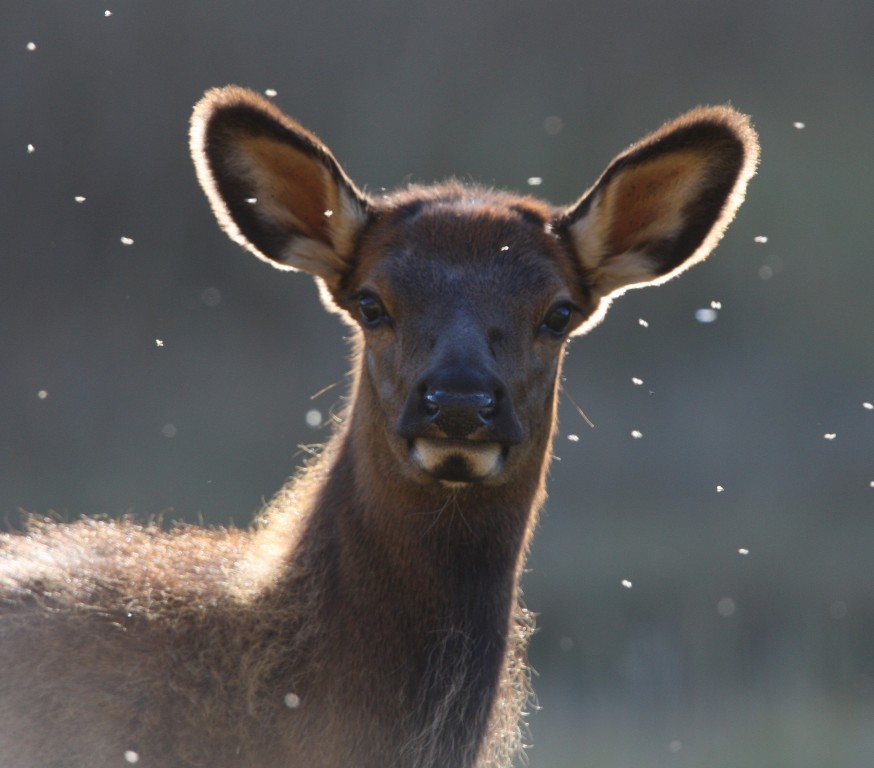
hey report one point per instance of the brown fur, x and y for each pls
(371, 616)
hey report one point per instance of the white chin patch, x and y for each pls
(457, 461)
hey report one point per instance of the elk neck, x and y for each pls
(447, 539)
(432, 567)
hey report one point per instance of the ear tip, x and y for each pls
(210, 104)
(236, 105)
(229, 96)
(736, 124)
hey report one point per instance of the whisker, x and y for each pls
(580, 410)
(323, 390)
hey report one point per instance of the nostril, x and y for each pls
(487, 407)
(432, 404)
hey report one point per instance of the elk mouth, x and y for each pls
(458, 461)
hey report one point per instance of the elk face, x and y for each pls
(465, 305)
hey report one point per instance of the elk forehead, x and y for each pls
(440, 255)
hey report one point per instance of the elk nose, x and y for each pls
(459, 414)
(460, 408)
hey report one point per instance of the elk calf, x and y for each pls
(370, 616)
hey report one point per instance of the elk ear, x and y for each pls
(662, 205)
(273, 186)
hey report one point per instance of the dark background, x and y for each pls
(712, 658)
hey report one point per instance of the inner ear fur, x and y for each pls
(663, 204)
(273, 186)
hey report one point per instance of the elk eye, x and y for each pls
(371, 310)
(558, 319)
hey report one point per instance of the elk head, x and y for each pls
(465, 297)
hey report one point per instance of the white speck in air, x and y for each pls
(251, 200)
(271, 93)
(31, 46)
(211, 296)
(534, 181)
(291, 700)
(574, 438)
(127, 241)
(743, 551)
(868, 406)
(42, 394)
(31, 149)
(830, 435)
(80, 198)
(313, 418)
(159, 342)
(760, 239)
(798, 125)
(719, 489)
(642, 323)
(505, 248)
(706, 315)
(636, 434)
(717, 305)
(328, 213)
(107, 14)
(553, 125)
(627, 584)
(637, 382)
(131, 757)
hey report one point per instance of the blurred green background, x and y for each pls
(712, 657)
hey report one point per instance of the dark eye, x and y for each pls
(558, 319)
(371, 310)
